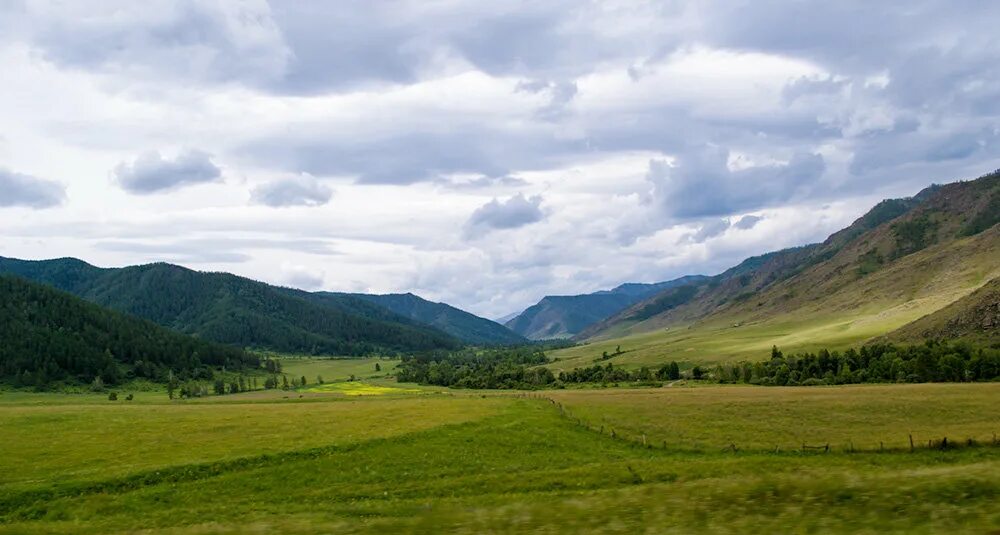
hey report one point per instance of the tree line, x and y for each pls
(932, 361)
(519, 368)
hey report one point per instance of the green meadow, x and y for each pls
(416, 460)
(336, 369)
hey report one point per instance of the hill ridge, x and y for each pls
(235, 310)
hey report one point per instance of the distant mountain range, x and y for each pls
(565, 316)
(242, 312)
(909, 269)
(467, 327)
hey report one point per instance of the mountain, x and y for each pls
(47, 335)
(975, 317)
(467, 327)
(902, 260)
(502, 320)
(567, 315)
(234, 310)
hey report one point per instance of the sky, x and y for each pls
(482, 153)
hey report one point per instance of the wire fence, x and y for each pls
(641, 439)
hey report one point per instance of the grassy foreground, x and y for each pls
(464, 462)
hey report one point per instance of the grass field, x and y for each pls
(759, 418)
(475, 462)
(336, 369)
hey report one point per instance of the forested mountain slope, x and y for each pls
(233, 310)
(48, 335)
(904, 259)
(467, 327)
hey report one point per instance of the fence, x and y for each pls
(641, 439)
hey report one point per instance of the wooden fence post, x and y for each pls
(911, 443)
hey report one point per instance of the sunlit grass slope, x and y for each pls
(871, 306)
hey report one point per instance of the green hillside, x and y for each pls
(901, 261)
(47, 335)
(467, 327)
(975, 317)
(233, 310)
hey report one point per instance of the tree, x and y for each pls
(377, 367)
(675, 371)
(302, 381)
(113, 396)
(696, 372)
(284, 382)
(319, 379)
(98, 384)
(220, 387)
(171, 384)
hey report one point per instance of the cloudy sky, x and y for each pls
(481, 153)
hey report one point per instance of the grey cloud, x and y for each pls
(515, 212)
(411, 156)
(315, 47)
(17, 189)
(702, 185)
(806, 86)
(347, 44)
(748, 222)
(188, 40)
(889, 150)
(302, 190)
(562, 94)
(151, 173)
(710, 229)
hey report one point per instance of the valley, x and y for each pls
(195, 402)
